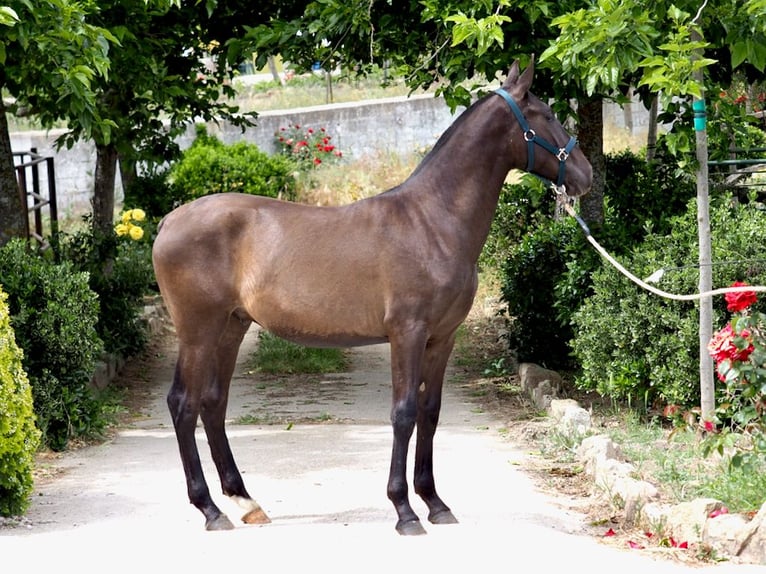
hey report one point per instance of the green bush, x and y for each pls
(210, 166)
(634, 345)
(530, 274)
(54, 314)
(19, 437)
(119, 270)
(546, 270)
(154, 194)
(520, 207)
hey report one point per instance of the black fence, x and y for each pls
(39, 226)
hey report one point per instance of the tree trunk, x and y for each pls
(128, 171)
(651, 136)
(590, 133)
(13, 217)
(707, 373)
(273, 69)
(103, 192)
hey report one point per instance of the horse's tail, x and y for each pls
(159, 225)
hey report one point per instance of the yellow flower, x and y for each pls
(126, 216)
(136, 232)
(121, 229)
(138, 214)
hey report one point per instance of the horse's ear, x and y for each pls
(513, 75)
(522, 82)
(525, 81)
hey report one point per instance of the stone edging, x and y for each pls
(731, 536)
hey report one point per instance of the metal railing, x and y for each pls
(738, 172)
(28, 165)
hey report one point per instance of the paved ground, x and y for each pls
(121, 506)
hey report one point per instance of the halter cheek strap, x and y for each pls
(532, 139)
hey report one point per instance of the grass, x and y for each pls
(311, 90)
(348, 181)
(278, 356)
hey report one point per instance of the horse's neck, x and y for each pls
(462, 179)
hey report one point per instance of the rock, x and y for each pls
(596, 448)
(572, 419)
(635, 495)
(752, 539)
(540, 385)
(724, 533)
(686, 520)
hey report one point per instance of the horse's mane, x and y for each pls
(447, 135)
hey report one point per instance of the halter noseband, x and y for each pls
(561, 153)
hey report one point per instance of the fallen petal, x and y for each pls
(635, 545)
(610, 532)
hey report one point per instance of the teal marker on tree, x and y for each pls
(700, 115)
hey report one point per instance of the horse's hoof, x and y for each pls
(410, 528)
(442, 517)
(219, 523)
(257, 516)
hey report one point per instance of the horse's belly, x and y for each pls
(341, 340)
(324, 323)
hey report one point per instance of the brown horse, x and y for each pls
(398, 268)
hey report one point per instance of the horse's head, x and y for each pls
(550, 151)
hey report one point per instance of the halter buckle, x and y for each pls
(529, 135)
(563, 154)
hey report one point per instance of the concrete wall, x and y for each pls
(400, 125)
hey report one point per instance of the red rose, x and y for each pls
(722, 347)
(739, 300)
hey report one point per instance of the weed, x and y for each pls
(278, 356)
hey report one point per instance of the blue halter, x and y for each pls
(561, 153)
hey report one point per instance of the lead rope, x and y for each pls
(559, 190)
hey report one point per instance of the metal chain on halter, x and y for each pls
(565, 202)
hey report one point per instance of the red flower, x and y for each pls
(670, 411)
(708, 426)
(722, 347)
(317, 161)
(739, 300)
(610, 532)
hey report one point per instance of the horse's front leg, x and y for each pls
(406, 357)
(214, 402)
(429, 405)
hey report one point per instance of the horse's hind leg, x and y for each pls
(195, 370)
(429, 405)
(214, 402)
